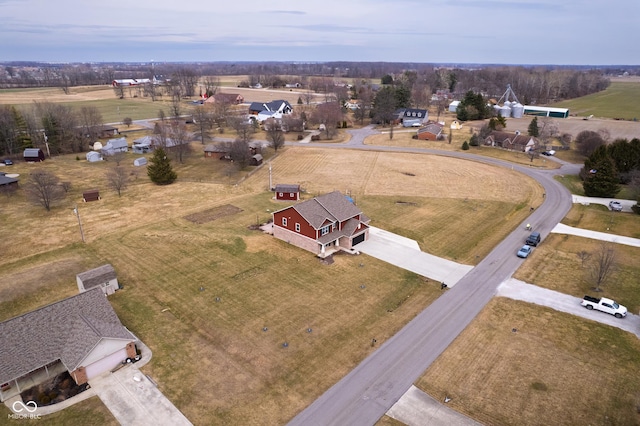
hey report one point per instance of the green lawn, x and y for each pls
(618, 101)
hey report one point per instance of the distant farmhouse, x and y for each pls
(273, 109)
(513, 141)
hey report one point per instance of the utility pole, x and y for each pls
(77, 213)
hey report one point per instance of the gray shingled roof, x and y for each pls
(328, 207)
(66, 330)
(97, 276)
(283, 187)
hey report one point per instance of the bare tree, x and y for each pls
(275, 135)
(307, 97)
(180, 139)
(583, 255)
(603, 265)
(240, 153)
(92, 122)
(243, 127)
(421, 94)
(117, 156)
(119, 91)
(117, 179)
(329, 114)
(211, 85)
(43, 188)
(203, 120)
(127, 121)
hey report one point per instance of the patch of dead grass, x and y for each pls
(555, 369)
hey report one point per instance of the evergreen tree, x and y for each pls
(159, 168)
(601, 179)
(465, 146)
(22, 136)
(534, 130)
(473, 107)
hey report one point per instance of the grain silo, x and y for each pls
(517, 110)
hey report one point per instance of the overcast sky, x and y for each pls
(563, 32)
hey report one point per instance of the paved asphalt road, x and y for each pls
(365, 394)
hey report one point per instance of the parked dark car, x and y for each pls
(533, 239)
(7, 162)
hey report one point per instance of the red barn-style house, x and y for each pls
(286, 192)
(322, 225)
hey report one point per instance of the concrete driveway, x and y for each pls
(519, 290)
(405, 253)
(626, 204)
(603, 236)
(134, 400)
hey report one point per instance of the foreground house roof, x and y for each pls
(66, 330)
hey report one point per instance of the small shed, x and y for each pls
(103, 276)
(256, 160)
(33, 155)
(216, 151)
(140, 162)
(455, 125)
(91, 195)
(287, 192)
(93, 156)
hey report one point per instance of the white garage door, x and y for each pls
(106, 364)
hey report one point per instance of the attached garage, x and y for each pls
(107, 363)
(358, 239)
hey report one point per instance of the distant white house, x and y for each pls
(103, 276)
(453, 106)
(115, 145)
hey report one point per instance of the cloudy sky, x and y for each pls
(565, 32)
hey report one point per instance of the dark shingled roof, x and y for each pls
(328, 207)
(283, 187)
(67, 330)
(97, 276)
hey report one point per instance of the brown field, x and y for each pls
(105, 92)
(162, 258)
(554, 369)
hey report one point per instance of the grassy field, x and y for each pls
(210, 352)
(555, 369)
(618, 101)
(91, 412)
(574, 184)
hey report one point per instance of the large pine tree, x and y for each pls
(159, 169)
(601, 178)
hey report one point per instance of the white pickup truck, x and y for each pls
(605, 305)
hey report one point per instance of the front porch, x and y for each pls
(41, 375)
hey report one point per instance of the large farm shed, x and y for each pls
(546, 111)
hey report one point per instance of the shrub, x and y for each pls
(465, 146)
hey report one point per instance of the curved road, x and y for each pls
(364, 395)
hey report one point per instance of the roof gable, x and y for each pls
(332, 207)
